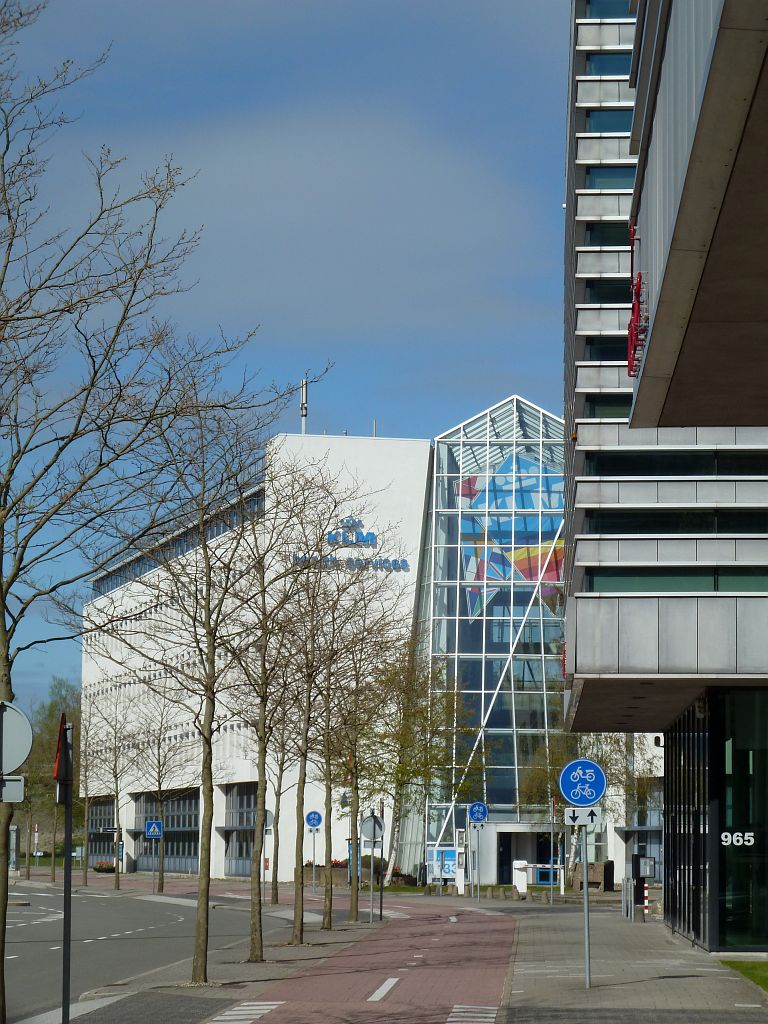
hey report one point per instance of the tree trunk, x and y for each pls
(394, 838)
(354, 829)
(256, 952)
(297, 937)
(118, 837)
(276, 831)
(161, 849)
(328, 889)
(27, 871)
(200, 958)
(86, 839)
(53, 843)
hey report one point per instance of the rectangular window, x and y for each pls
(650, 463)
(607, 233)
(605, 291)
(611, 407)
(606, 350)
(608, 9)
(609, 120)
(610, 177)
(640, 580)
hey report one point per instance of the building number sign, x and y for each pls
(737, 838)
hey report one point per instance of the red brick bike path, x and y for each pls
(441, 958)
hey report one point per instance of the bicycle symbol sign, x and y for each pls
(582, 782)
(478, 812)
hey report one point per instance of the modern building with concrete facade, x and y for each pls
(700, 208)
(666, 534)
(389, 476)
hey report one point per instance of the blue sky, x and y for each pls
(379, 182)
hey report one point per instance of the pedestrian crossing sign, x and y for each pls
(153, 830)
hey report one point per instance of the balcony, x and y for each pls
(637, 661)
(596, 204)
(601, 262)
(593, 149)
(607, 35)
(596, 92)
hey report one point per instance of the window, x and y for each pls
(607, 233)
(599, 291)
(682, 521)
(639, 580)
(609, 64)
(609, 120)
(608, 9)
(611, 407)
(610, 177)
(650, 463)
(605, 350)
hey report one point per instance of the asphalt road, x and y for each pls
(113, 938)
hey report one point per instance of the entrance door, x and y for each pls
(504, 861)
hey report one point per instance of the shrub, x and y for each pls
(104, 866)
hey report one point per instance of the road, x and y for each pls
(113, 938)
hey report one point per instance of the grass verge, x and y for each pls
(755, 971)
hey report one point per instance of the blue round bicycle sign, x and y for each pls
(478, 812)
(582, 782)
(314, 819)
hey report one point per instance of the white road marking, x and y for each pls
(87, 940)
(14, 956)
(54, 947)
(453, 920)
(484, 1014)
(382, 990)
(749, 1006)
(245, 1012)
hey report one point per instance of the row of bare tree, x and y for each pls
(239, 614)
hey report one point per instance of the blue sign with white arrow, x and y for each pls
(477, 812)
(314, 819)
(153, 830)
(583, 782)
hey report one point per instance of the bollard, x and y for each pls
(645, 899)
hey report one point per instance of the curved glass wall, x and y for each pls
(495, 615)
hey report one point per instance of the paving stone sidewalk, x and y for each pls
(641, 974)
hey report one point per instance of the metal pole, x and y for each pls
(370, 879)
(381, 882)
(314, 833)
(66, 938)
(154, 859)
(585, 885)
(552, 855)
(479, 827)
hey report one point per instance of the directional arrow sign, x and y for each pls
(583, 816)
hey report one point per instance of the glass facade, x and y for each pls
(492, 606)
(716, 821)
(181, 831)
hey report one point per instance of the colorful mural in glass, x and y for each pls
(496, 610)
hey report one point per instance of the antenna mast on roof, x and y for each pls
(303, 407)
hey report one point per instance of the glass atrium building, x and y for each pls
(491, 610)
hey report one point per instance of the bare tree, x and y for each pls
(177, 626)
(114, 746)
(164, 763)
(91, 377)
(282, 761)
(268, 594)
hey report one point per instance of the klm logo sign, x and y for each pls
(351, 534)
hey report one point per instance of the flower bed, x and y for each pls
(104, 867)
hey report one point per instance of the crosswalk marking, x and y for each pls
(466, 1014)
(246, 1012)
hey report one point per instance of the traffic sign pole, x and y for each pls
(314, 877)
(585, 885)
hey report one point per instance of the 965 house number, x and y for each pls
(737, 838)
